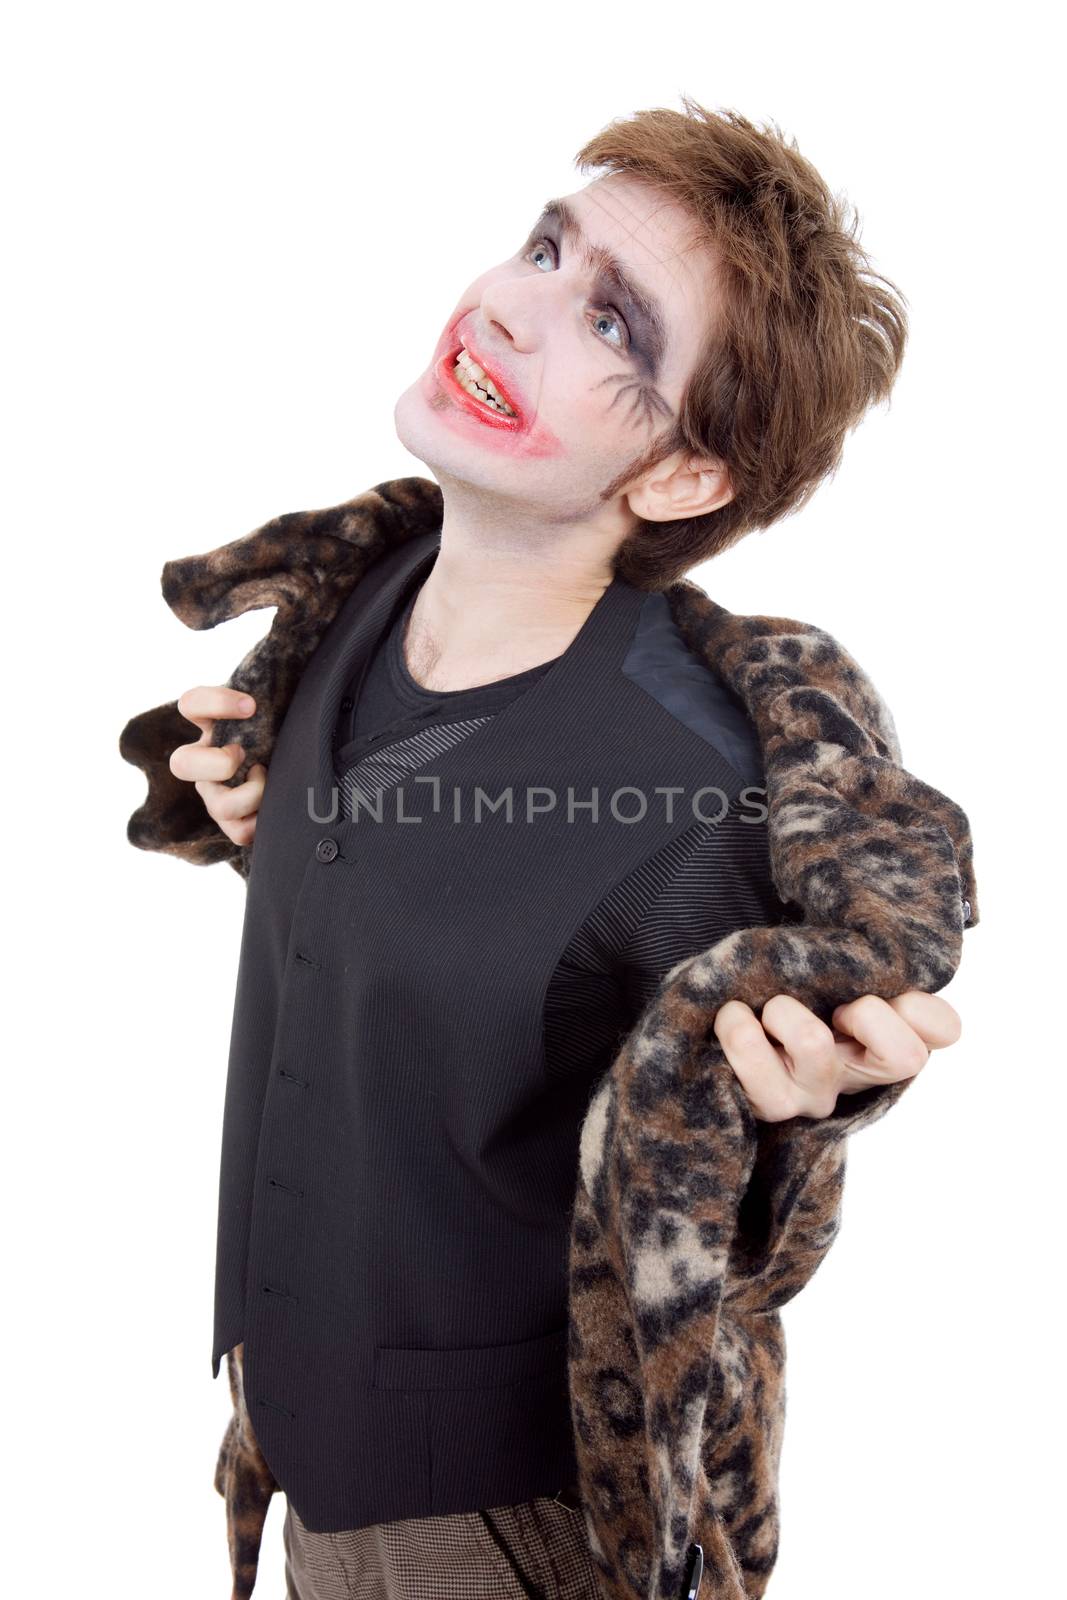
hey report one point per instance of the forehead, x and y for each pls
(658, 243)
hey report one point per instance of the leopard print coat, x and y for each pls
(693, 1222)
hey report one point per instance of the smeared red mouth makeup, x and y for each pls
(467, 381)
(483, 397)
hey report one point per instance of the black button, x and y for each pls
(346, 703)
(326, 849)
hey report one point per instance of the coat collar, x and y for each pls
(307, 563)
(693, 1224)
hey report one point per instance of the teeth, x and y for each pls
(473, 378)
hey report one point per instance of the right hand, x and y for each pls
(206, 765)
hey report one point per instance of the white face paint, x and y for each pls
(572, 354)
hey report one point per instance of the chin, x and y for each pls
(436, 446)
(413, 427)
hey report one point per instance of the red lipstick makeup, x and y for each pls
(519, 435)
(446, 371)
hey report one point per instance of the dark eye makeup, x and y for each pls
(609, 278)
(632, 347)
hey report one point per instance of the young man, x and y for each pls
(672, 357)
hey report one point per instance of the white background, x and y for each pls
(233, 236)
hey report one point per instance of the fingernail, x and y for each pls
(246, 703)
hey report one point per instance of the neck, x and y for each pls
(506, 592)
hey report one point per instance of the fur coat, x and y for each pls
(693, 1222)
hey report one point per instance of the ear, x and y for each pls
(680, 486)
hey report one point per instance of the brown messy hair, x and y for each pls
(806, 337)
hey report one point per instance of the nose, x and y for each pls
(512, 311)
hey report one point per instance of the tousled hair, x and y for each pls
(806, 337)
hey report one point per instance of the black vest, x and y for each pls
(398, 1170)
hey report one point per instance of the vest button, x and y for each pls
(326, 849)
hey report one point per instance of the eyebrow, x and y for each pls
(608, 269)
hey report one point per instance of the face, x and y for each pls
(587, 336)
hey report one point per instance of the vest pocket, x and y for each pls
(474, 1367)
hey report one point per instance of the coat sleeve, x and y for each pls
(304, 563)
(173, 818)
(297, 563)
(694, 1222)
(879, 869)
(294, 563)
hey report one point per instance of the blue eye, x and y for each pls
(602, 313)
(609, 316)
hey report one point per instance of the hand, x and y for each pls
(206, 765)
(871, 1041)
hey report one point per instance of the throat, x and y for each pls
(432, 671)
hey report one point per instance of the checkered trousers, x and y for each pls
(536, 1550)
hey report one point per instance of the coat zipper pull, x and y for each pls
(693, 1573)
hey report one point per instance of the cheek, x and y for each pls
(581, 394)
(601, 419)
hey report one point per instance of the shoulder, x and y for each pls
(686, 685)
(788, 674)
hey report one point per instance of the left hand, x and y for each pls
(791, 1064)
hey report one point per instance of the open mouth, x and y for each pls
(467, 380)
